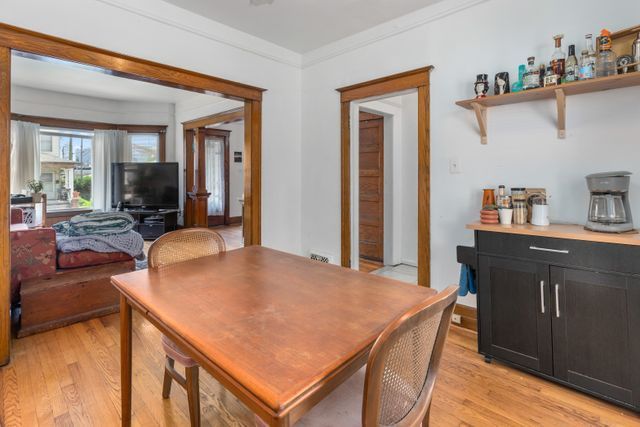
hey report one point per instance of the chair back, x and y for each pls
(184, 245)
(403, 364)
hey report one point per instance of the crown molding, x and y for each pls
(220, 33)
(209, 29)
(387, 29)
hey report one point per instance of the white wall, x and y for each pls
(493, 36)
(158, 31)
(44, 103)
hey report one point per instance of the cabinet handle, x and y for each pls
(557, 301)
(542, 296)
(555, 251)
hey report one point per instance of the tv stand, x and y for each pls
(153, 223)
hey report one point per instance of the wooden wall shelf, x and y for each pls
(559, 93)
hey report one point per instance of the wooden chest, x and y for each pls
(69, 296)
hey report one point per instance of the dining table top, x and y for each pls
(275, 323)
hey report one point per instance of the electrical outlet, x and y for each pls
(454, 166)
(456, 318)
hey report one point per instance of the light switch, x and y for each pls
(454, 166)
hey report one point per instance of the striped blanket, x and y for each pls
(96, 223)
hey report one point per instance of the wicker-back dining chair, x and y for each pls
(171, 248)
(396, 387)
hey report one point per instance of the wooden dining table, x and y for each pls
(279, 331)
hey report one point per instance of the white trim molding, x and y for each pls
(182, 19)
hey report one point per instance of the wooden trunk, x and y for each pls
(69, 296)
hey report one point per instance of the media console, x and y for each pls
(152, 224)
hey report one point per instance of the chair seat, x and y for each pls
(342, 407)
(174, 352)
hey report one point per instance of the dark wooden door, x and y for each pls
(515, 321)
(596, 330)
(223, 136)
(371, 199)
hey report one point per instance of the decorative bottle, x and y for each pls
(531, 79)
(571, 69)
(588, 60)
(559, 57)
(606, 60)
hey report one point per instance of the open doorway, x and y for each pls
(388, 186)
(371, 195)
(214, 175)
(119, 143)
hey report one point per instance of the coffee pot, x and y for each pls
(609, 209)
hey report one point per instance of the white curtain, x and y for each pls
(25, 154)
(109, 146)
(214, 161)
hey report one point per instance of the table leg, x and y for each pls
(125, 360)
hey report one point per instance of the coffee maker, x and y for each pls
(609, 210)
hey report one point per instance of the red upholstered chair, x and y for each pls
(179, 246)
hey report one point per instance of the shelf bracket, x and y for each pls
(561, 103)
(481, 116)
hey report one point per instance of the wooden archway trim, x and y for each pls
(40, 46)
(415, 79)
(230, 116)
(117, 64)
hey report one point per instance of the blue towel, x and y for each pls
(467, 281)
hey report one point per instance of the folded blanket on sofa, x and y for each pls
(128, 242)
(96, 223)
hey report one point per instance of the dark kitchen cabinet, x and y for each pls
(515, 323)
(563, 309)
(595, 332)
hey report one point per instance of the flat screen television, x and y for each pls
(144, 185)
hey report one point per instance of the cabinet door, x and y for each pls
(515, 323)
(596, 329)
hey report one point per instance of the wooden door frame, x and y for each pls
(40, 46)
(415, 79)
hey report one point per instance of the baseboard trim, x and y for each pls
(468, 316)
(235, 220)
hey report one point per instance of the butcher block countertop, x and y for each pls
(560, 231)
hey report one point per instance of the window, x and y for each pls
(65, 167)
(145, 147)
(46, 143)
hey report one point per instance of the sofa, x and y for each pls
(54, 289)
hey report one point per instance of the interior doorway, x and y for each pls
(371, 187)
(416, 81)
(46, 48)
(216, 151)
(214, 179)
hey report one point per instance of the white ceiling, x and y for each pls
(302, 25)
(59, 76)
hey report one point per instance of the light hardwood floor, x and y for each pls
(71, 376)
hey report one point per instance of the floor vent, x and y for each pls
(319, 256)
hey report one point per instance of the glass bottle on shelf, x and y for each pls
(559, 57)
(550, 77)
(543, 72)
(531, 79)
(588, 60)
(571, 66)
(517, 86)
(606, 59)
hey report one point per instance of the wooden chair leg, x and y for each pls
(193, 395)
(166, 383)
